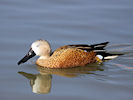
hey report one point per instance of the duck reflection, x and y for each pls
(41, 83)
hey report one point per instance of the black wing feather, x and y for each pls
(89, 48)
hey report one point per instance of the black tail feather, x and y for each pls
(99, 46)
(108, 56)
(99, 49)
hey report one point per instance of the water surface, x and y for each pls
(66, 22)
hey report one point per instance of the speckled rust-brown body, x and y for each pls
(65, 57)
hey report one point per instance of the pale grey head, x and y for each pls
(40, 48)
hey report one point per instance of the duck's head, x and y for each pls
(40, 48)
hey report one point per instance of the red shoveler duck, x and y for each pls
(67, 56)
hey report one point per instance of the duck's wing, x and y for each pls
(98, 49)
(88, 48)
(95, 47)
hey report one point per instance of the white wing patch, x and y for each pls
(111, 57)
(100, 57)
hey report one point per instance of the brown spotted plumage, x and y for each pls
(67, 56)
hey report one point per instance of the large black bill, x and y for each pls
(27, 57)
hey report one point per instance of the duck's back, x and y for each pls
(68, 57)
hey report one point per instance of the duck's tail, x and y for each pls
(101, 52)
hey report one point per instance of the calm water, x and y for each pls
(66, 22)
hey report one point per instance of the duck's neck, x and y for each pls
(44, 57)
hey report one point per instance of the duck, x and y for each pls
(67, 56)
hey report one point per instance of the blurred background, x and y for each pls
(67, 22)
